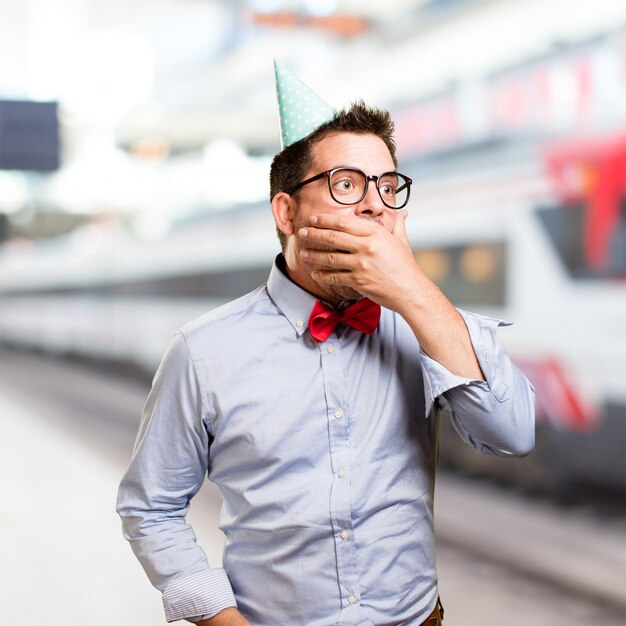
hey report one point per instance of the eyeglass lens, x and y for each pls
(348, 186)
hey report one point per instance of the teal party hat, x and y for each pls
(300, 109)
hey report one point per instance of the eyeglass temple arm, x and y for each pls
(307, 181)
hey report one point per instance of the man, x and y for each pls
(321, 433)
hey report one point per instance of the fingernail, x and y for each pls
(313, 219)
(303, 232)
(304, 254)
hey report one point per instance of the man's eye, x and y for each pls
(345, 185)
(387, 190)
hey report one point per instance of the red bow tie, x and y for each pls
(362, 315)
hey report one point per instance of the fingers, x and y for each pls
(329, 238)
(341, 232)
(334, 279)
(344, 223)
(329, 258)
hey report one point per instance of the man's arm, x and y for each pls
(380, 265)
(227, 617)
(167, 469)
(491, 403)
(495, 415)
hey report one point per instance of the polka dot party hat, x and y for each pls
(300, 109)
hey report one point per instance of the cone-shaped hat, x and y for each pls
(300, 109)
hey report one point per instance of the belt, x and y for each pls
(436, 617)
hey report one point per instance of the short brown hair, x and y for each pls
(291, 164)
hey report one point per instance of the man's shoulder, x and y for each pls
(224, 317)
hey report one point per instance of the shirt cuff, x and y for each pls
(438, 379)
(482, 330)
(203, 594)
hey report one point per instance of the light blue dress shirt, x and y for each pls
(325, 456)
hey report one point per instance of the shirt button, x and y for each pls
(341, 473)
(345, 535)
(338, 414)
(351, 599)
(330, 349)
(299, 323)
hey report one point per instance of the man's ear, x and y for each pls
(283, 209)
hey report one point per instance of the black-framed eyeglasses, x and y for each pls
(349, 185)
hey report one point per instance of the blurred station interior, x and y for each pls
(135, 144)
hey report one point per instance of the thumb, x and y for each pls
(399, 228)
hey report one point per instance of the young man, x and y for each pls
(315, 410)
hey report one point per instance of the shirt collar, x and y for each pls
(293, 302)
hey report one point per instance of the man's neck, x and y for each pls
(304, 281)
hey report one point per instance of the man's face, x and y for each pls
(365, 152)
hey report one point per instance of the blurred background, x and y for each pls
(135, 143)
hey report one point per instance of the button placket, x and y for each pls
(341, 505)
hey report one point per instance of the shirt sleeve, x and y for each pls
(495, 415)
(167, 469)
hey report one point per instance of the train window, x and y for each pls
(472, 275)
(478, 263)
(226, 284)
(434, 263)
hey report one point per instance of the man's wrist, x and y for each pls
(227, 617)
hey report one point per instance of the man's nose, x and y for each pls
(372, 204)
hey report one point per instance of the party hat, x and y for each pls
(300, 109)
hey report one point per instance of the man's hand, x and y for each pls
(227, 617)
(365, 256)
(380, 265)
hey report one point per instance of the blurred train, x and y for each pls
(532, 235)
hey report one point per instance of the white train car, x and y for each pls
(492, 228)
(538, 237)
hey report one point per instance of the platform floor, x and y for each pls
(64, 562)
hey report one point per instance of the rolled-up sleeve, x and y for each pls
(495, 415)
(167, 469)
